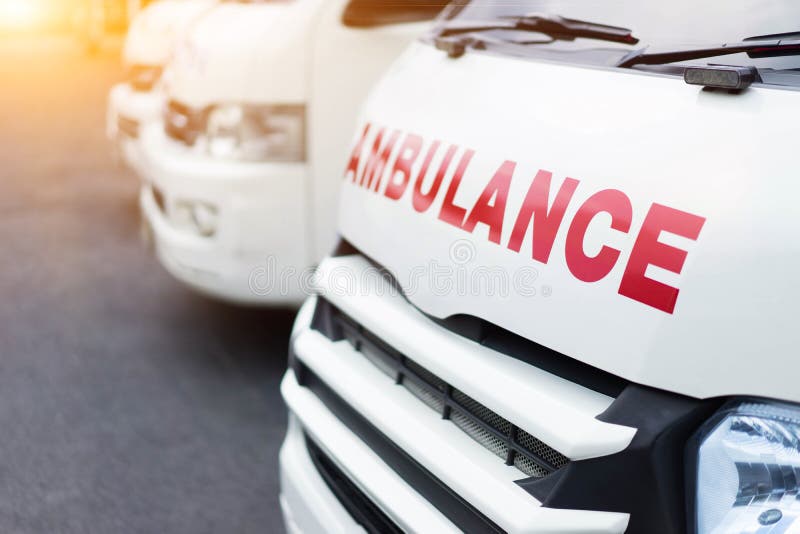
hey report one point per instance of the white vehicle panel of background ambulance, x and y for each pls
(345, 63)
(154, 31)
(244, 52)
(149, 44)
(274, 219)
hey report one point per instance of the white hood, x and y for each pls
(711, 309)
(245, 52)
(154, 31)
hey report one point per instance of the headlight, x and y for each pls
(748, 469)
(143, 77)
(257, 133)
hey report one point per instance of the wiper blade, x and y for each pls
(755, 47)
(554, 26)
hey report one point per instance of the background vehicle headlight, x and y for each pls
(144, 77)
(257, 133)
(748, 469)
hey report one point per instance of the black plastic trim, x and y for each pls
(647, 479)
(461, 513)
(363, 511)
(510, 344)
(372, 13)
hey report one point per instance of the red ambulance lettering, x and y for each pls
(647, 250)
(490, 208)
(422, 201)
(379, 156)
(401, 170)
(537, 215)
(591, 269)
(352, 165)
(450, 212)
(545, 222)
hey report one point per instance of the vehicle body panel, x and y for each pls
(283, 214)
(724, 159)
(153, 32)
(245, 52)
(149, 43)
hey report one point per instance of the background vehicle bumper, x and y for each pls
(258, 248)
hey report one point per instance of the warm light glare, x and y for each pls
(20, 14)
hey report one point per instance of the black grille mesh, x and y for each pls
(498, 435)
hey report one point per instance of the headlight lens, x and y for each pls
(143, 77)
(748, 469)
(257, 133)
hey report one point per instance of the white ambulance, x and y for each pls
(148, 46)
(563, 297)
(241, 185)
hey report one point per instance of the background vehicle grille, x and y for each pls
(128, 126)
(498, 435)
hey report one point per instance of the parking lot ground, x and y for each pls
(127, 403)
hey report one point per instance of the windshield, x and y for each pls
(661, 24)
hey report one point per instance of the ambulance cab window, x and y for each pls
(371, 13)
(673, 25)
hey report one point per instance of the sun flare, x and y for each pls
(20, 14)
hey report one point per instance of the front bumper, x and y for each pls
(496, 432)
(128, 111)
(307, 503)
(257, 251)
(440, 481)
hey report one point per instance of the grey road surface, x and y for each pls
(127, 403)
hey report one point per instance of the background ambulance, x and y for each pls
(241, 176)
(148, 46)
(565, 296)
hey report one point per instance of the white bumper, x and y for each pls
(308, 505)
(128, 112)
(453, 458)
(258, 250)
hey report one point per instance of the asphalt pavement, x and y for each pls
(127, 402)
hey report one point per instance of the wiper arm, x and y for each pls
(755, 47)
(554, 26)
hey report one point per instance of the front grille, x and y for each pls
(358, 505)
(498, 435)
(183, 123)
(128, 127)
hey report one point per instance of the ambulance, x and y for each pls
(562, 298)
(240, 181)
(148, 46)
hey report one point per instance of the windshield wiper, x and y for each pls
(782, 44)
(554, 26)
